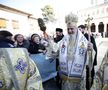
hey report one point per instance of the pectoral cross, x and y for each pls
(88, 24)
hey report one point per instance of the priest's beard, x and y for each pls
(71, 46)
(72, 37)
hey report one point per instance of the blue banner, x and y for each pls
(47, 67)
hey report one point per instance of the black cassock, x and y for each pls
(95, 60)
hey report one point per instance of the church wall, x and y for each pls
(99, 14)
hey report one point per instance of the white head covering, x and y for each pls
(71, 19)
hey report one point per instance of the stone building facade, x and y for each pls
(99, 12)
(17, 21)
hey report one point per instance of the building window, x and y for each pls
(101, 28)
(107, 9)
(102, 10)
(105, 1)
(91, 2)
(2, 23)
(93, 13)
(93, 27)
(15, 24)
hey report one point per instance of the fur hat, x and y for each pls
(71, 19)
(4, 33)
(59, 29)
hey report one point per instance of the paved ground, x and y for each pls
(50, 85)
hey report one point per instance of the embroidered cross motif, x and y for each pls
(63, 48)
(21, 65)
(81, 51)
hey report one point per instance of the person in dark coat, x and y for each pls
(59, 36)
(6, 39)
(82, 29)
(35, 46)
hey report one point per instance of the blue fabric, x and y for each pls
(47, 67)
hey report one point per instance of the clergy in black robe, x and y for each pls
(82, 29)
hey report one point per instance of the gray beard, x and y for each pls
(72, 37)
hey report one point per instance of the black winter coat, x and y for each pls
(6, 43)
(34, 48)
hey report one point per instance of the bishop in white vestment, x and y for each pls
(72, 56)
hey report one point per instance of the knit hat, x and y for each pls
(4, 33)
(34, 35)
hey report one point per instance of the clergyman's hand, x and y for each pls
(90, 46)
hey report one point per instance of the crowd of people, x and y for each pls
(33, 45)
(75, 55)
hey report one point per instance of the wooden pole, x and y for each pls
(89, 55)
